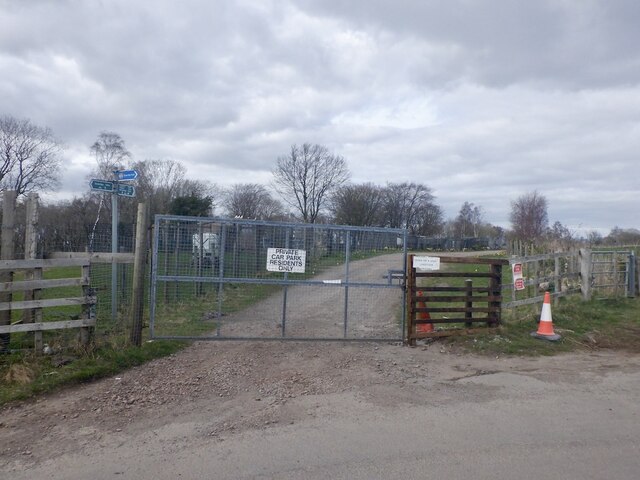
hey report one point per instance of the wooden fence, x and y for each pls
(586, 272)
(558, 273)
(33, 322)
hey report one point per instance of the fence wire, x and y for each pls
(226, 278)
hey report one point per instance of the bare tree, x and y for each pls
(161, 181)
(358, 205)
(594, 238)
(251, 201)
(561, 235)
(307, 176)
(110, 154)
(468, 221)
(623, 236)
(30, 156)
(403, 203)
(529, 218)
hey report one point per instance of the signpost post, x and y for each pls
(116, 189)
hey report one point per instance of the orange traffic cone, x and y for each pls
(423, 327)
(545, 327)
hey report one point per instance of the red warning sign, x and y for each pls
(518, 281)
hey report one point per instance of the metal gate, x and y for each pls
(222, 279)
(613, 272)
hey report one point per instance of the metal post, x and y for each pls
(404, 290)
(286, 277)
(154, 278)
(631, 275)
(114, 250)
(222, 250)
(347, 255)
(200, 260)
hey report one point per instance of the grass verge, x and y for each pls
(23, 374)
(597, 324)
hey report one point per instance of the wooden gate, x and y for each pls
(456, 297)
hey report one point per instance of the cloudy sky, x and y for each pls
(480, 100)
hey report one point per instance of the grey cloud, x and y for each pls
(481, 101)
(571, 44)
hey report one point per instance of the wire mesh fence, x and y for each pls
(229, 278)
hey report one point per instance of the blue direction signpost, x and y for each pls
(116, 189)
(108, 186)
(125, 190)
(126, 175)
(101, 185)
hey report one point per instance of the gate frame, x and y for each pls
(220, 279)
(465, 295)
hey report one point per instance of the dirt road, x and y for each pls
(318, 311)
(301, 410)
(306, 410)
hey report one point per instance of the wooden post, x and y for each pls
(139, 275)
(585, 273)
(468, 283)
(409, 285)
(31, 253)
(30, 248)
(6, 253)
(495, 291)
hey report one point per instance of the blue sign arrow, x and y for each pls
(126, 175)
(101, 185)
(125, 190)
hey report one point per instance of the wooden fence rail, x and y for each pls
(34, 322)
(558, 273)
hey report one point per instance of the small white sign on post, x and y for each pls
(426, 263)
(289, 260)
(518, 280)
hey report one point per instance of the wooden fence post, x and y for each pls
(139, 263)
(6, 253)
(585, 273)
(495, 283)
(31, 253)
(410, 283)
(468, 283)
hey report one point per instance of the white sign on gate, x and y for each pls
(426, 263)
(518, 280)
(289, 260)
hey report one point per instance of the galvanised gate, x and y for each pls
(221, 279)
